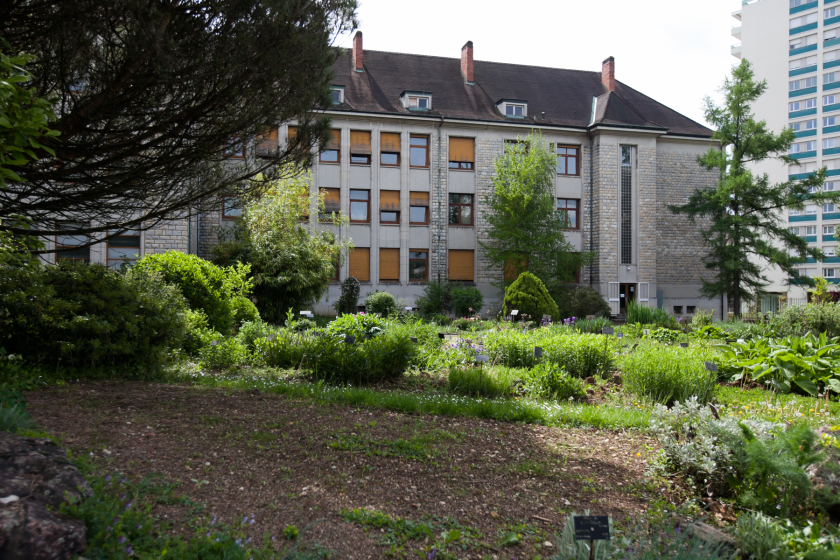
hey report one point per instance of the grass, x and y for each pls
(418, 448)
(490, 382)
(777, 407)
(667, 374)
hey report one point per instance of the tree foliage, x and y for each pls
(529, 295)
(150, 95)
(292, 260)
(525, 230)
(746, 228)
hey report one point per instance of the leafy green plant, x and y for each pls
(219, 352)
(668, 336)
(702, 318)
(592, 326)
(436, 298)
(467, 300)
(798, 320)
(550, 380)
(359, 325)
(290, 532)
(490, 382)
(668, 374)
(348, 302)
(580, 302)
(250, 331)
(14, 417)
(382, 303)
(582, 355)
(243, 310)
(529, 295)
(759, 537)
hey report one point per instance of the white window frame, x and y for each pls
(419, 102)
(830, 78)
(810, 230)
(811, 210)
(829, 143)
(830, 251)
(828, 186)
(794, 213)
(340, 90)
(829, 100)
(811, 146)
(811, 103)
(794, 106)
(829, 273)
(829, 13)
(829, 208)
(829, 121)
(828, 230)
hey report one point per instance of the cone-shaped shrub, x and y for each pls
(529, 295)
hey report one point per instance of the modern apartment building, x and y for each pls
(412, 158)
(794, 45)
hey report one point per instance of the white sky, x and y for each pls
(675, 51)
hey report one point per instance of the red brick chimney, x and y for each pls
(608, 74)
(358, 52)
(467, 62)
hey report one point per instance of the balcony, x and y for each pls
(803, 155)
(736, 51)
(804, 28)
(736, 32)
(803, 113)
(803, 91)
(805, 218)
(737, 14)
(806, 133)
(804, 7)
(800, 71)
(801, 50)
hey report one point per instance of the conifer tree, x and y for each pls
(745, 213)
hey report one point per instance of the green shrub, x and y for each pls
(382, 303)
(197, 330)
(582, 355)
(220, 352)
(798, 320)
(645, 315)
(669, 374)
(467, 301)
(358, 325)
(760, 537)
(14, 417)
(348, 302)
(436, 298)
(582, 301)
(243, 310)
(304, 325)
(204, 285)
(86, 316)
(529, 295)
(490, 382)
(702, 318)
(250, 331)
(592, 326)
(550, 380)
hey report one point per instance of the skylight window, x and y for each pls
(515, 110)
(417, 100)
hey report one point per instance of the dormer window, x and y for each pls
(417, 100)
(337, 95)
(513, 108)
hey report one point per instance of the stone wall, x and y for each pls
(170, 235)
(606, 181)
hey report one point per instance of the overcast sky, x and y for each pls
(675, 51)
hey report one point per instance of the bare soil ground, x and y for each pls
(291, 462)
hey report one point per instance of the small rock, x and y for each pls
(493, 514)
(9, 499)
(207, 464)
(547, 544)
(590, 381)
(566, 502)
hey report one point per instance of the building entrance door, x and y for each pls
(626, 294)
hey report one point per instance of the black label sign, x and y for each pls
(607, 330)
(684, 344)
(538, 352)
(711, 366)
(592, 528)
(350, 340)
(414, 339)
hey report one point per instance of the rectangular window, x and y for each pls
(332, 204)
(811, 209)
(461, 265)
(813, 189)
(514, 110)
(231, 207)
(829, 273)
(389, 265)
(123, 248)
(828, 208)
(804, 20)
(829, 142)
(337, 96)
(461, 209)
(389, 149)
(678, 310)
(828, 186)
(626, 205)
(267, 143)
(69, 247)
(828, 230)
(332, 151)
(804, 125)
(811, 230)
(419, 102)
(568, 160)
(235, 148)
(461, 153)
(794, 230)
(795, 106)
(360, 207)
(418, 208)
(830, 78)
(360, 264)
(830, 34)
(418, 265)
(360, 149)
(419, 151)
(830, 13)
(689, 309)
(811, 103)
(810, 146)
(802, 84)
(829, 99)
(830, 56)
(793, 212)
(830, 251)
(568, 209)
(829, 121)
(389, 207)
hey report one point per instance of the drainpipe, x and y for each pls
(591, 217)
(440, 208)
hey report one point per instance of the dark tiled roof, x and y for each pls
(564, 95)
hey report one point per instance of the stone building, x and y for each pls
(412, 158)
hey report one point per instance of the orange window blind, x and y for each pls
(462, 149)
(335, 140)
(389, 200)
(293, 132)
(461, 265)
(332, 202)
(360, 264)
(389, 265)
(360, 142)
(389, 142)
(418, 198)
(513, 268)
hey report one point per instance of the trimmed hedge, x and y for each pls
(529, 295)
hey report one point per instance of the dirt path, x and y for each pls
(294, 462)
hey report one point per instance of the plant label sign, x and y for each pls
(514, 313)
(546, 317)
(441, 335)
(646, 332)
(711, 366)
(538, 352)
(608, 330)
(684, 344)
(592, 528)
(414, 339)
(350, 340)
(482, 358)
(409, 309)
(620, 335)
(306, 313)
(590, 317)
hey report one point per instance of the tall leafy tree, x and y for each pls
(152, 96)
(747, 228)
(526, 232)
(292, 258)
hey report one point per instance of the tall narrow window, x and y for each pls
(123, 248)
(360, 206)
(360, 264)
(389, 149)
(389, 265)
(419, 151)
(69, 248)
(567, 160)
(231, 207)
(332, 151)
(461, 209)
(461, 153)
(389, 207)
(461, 265)
(626, 205)
(418, 208)
(418, 265)
(360, 150)
(332, 204)
(267, 143)
(568, 210)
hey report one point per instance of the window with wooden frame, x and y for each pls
(231, 207)
(418, 265)
(123, 248)
(389, 265)
(336, 272)
(419, 151)
(389, 149)
(360, 148)
(360, 206)
(332, 204)
(461, 265)
(514, 267)
(235, 148)
(389, 207)
(292, 134)
(460, 209)
(69, 247)
(267, 143)
(360, 264)
(418, 208)
(568, 208)
(462, 153)
(332, 151)
(568, 160)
